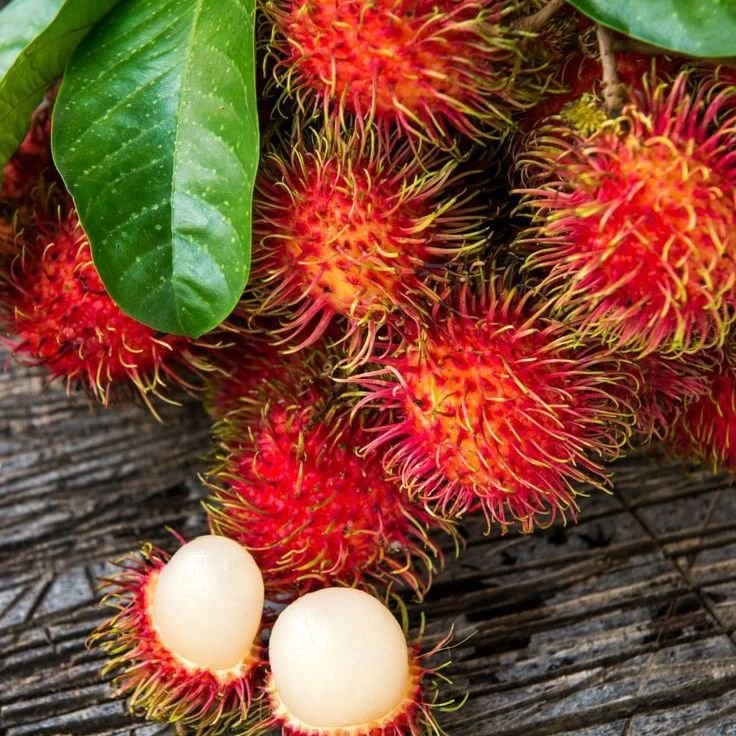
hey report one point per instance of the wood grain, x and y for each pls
(620, 626)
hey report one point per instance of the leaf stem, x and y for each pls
(536, 21)
(614, 93)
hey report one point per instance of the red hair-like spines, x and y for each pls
(495, 408)
(633, 231)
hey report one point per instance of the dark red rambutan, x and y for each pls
(633, 230)
(158, 682)
(33, 157)
(56, 313)
(495, 408)
(429, 67)
(664, 388)
(289, 485)
(355, 229)
(706, 430)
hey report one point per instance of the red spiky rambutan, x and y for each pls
(355, 229)
(289, 485)
(213, 593)
(664, 388)
(33, 157)
(494, 408)
(429, 67)
(633, 230)
(706, 430)
(56, 313)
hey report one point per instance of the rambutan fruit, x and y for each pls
(290, 486)
(633, 230)
(356, 228)
(56, 313)
(495, 408)
(183, 643)
(706, 430)
(33, 157)
(664, 388)
(370, 683)
(432, 68)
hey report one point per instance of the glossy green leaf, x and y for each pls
(156, 136)
(704, 28)
(37, 37)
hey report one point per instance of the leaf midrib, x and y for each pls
(174, 157)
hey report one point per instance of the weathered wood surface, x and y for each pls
(621, 626)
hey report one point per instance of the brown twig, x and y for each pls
(536, 21)
(614, 93)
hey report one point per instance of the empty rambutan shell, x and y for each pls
(706, 431)
(56, 313)
(432, 68)
(370, 683)
(633, 231)
(496, 408)
(290, 486)
(183, 644)
(355, 228)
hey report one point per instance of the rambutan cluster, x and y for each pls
(417, 344)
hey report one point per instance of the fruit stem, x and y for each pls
(536, 21)
(614, 93)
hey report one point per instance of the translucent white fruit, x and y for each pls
(207, 603)
(338, 658)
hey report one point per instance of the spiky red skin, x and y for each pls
(57, 313)
(633, 231)
(292, 488)
(706, 431)
(22, 173)
(158, 684)
(348, 230)
(664, 388)
(494, 409)
(429, 67)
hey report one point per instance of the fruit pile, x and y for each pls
(491, 256)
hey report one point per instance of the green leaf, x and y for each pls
(37, 37)
(155, 133)
(703, 28)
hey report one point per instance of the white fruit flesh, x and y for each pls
(338, 659)
(207, 603)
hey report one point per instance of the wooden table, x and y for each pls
(623, 625)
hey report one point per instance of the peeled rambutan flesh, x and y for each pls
(633, 231)
(345, 229)
(183, 643)
(429, 67)
(494, 409)
(706, 430)
(290, 486)
(370, 681)
(56, 313)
